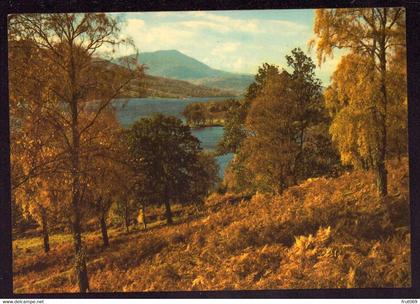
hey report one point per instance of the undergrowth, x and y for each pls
(323, 233)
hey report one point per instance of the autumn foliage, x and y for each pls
(323, 233)
(315, 196)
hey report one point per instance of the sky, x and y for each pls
(234, 41)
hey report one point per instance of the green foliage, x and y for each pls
(167, 162)
(318, 156)
(265, 72)
(283, 139)
(234, 127)
(194, 114)
(208, 113)
(204, 178)
(163, 149)
(238, 177)
(310, 114)
(271, 145)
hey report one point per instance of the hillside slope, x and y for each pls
(154, 86)
(323, 233)
(176, 65)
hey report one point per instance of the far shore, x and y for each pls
(178, 97)
(206, 126)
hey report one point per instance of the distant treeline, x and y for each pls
(154, 86)
(199, 114)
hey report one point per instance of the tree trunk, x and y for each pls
(80, 256)
(168, 212)
(381, 173)
(127, 220)
(143, 208)
(280, 185)
(104, 231)
(381, 179)
(127, 225)
(45, 230)
(280, 188)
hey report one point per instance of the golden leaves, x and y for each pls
(216, 252)
(355, 98)
(198, 282)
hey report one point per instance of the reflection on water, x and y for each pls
(130, 110)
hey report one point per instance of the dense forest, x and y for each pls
(316, 195)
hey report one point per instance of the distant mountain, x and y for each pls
(155, 86)
(176, 65)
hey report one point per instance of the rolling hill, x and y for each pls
(156, 86)
(176, 65)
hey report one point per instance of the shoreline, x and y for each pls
(206, 126)
(178, 98)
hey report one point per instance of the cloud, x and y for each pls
(237, 65)
(288, 26)
(174, 29)
(204, 24)
(225, 48)
(135, 23)
(253, 26)
(224, 23)
(225, 40)
(156, 36)
(163, 14)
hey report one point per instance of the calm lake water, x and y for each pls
(130, 110)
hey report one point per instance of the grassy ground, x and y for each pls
(323, 233)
